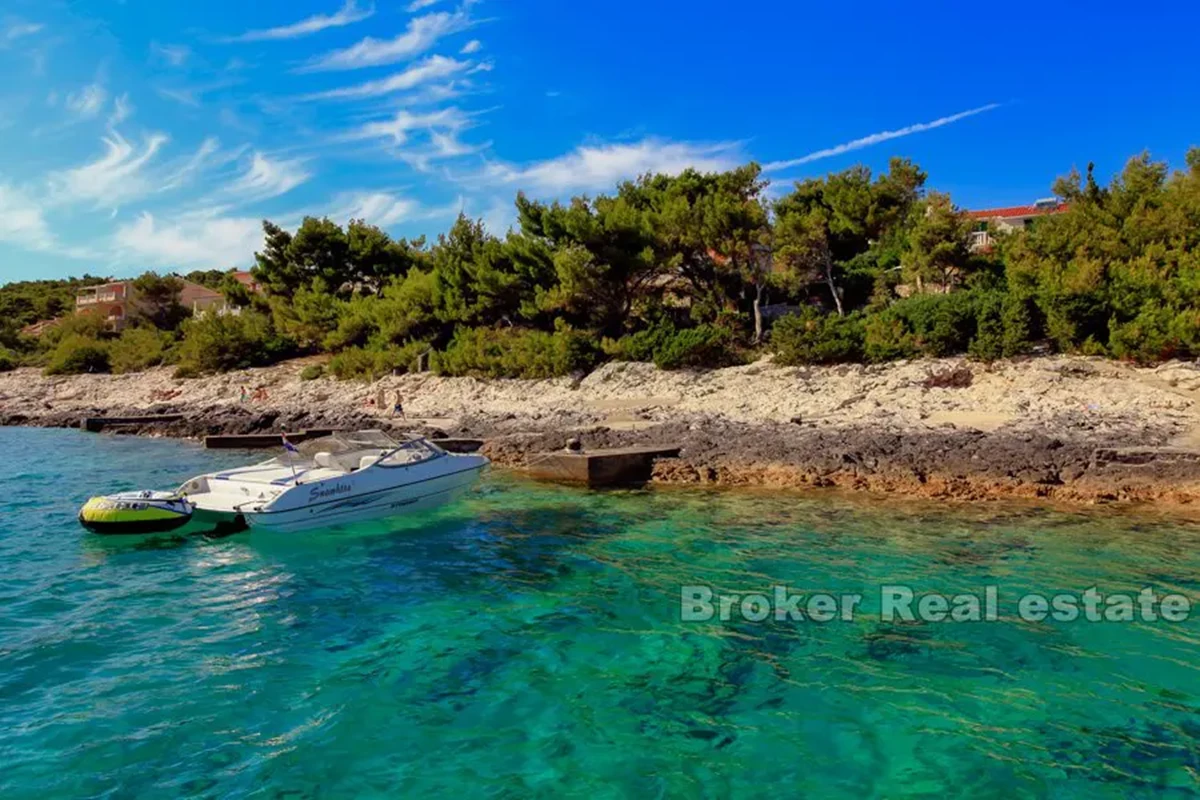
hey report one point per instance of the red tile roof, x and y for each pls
(1016, 211)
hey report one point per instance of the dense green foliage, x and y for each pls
(677, 270)
(516, 353)
(75, 353)
(223, 342)
(8, 360)
(25, 302)
(137, 349)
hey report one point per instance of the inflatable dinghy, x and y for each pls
(136, 512)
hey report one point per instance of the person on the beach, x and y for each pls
(398, 407)
(245, 394)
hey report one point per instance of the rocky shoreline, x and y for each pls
(1062, 429)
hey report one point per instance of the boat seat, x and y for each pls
(327, 460)
(367, 461)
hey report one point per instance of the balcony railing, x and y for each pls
(980, 240)
(98, 297)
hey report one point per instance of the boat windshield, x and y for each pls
(351, 451)
(347, 442)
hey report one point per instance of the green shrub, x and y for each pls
(516, 353)
(77, 354)
(223, 342)
(988, 343)
(640, 346)
(812, 337)
(368, 364)
(312, 372)
(1019, 325)
(885, 337)
(940, 324)
(1156, 334)
(702, 346)
(87, 324)
(675, 348)
(8, 360)
(137, 349)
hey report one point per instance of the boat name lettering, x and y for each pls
(317, 492)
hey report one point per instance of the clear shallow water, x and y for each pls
(527, 642)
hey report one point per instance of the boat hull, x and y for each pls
(365, 502)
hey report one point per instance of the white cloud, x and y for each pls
(206, 155)
(417, 5)
(117, 176)
(88, 101)
(122, 110)
(185, 97)
(199, 240)
(378, 208)
(421, 34)
(267, 178)
(18, 30)
(193, 95)
(876, 138)
(437, 132)
(22, 221)
(398, 127)
(499, 216)
(348, 14)
(601, 167)
(430, 69)
(473, 46)
(174, 55)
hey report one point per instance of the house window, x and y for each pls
(1028, 223)
(981, 226)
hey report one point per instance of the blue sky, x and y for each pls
(142, 135)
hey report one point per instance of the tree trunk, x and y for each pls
(837, 297)
(758, 321)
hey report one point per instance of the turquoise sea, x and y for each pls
(528, 642)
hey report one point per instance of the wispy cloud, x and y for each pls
(22, 221)
(193, 96)
(876, 138)
(208, 156)
(266, 178)
(348, 14)
(88, 101)
(600, 167)
(472, 46)
(417, 5)
(430, 69)
(421, 34)
(175, 55)
(436, 133)
(18, 30)
(197, 240)
(122, 110)
(397, 128)
(378, 208)
(117, 176)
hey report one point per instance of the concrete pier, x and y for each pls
(97, 424)
(234, 441)
(458, 445)
(618, 466)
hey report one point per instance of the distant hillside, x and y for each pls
(26, 302)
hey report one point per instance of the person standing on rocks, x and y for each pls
(398, 407)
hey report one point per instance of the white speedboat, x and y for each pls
(334, 480)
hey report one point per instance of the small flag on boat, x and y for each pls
(291, 448)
